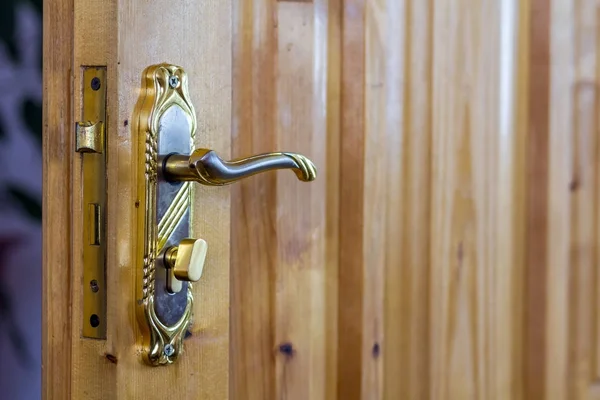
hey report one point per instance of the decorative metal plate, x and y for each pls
(166, 123)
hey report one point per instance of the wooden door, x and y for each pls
(448, 248)
(127, 37)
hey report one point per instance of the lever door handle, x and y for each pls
(167, 260)
(206, 167)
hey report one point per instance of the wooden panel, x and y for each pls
(536, 224)
(352, 145)
(127, 37)
(448, 249)
(425, 109)
(573, 196)
(57, 156)
(254, 203)
(152, 32)
(432, 126)
(300, 275)
(408, 207)
(89, 356)
(476, 202)
(281, 234)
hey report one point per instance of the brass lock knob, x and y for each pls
(184, 263)
(206, 167)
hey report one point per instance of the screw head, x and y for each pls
(95, 84)
(173, 81)
(94, 321)
(94, 286)
(169, 350)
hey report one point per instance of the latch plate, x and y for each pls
(90, 142)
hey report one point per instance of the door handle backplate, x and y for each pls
(167, 259)
(165, 122)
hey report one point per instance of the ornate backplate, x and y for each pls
(164, 123)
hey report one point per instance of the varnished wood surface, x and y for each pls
(279, 225)
(127, 37)
(447, 250)
(57, 141)
(572, 336)
(451, 134)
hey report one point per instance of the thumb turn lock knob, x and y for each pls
(184, 263)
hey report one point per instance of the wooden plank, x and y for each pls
(476, 261)
(300, 308)
(572, 316)
(408, 126)
(560, 170)
(96, 34)
(57, 155)
(254, 203)
(537, 201)
(281, 273)
(351, 247)
(95, 375)
(328, 15)
(150, 33)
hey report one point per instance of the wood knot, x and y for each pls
(287, 348)
(376, 350)
(574, 185)
(111, 358)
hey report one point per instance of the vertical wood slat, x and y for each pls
(331, 12)
(583, 189)
(573, 218)
(280, 229)
(57, 155)
(431, 155)
(388, 305)
(92, 21)
(254, 205)
(408, 129)
(536, 224)
(559, 215)
(300, 274)
(476, 203)
(351, 275)
(151, 33)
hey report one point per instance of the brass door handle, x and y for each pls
(167, 260)
(206, 167)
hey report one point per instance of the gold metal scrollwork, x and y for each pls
(164, 86)
(166, 126)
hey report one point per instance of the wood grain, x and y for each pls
(572, 253)
(537, 201)
(475, 203)
(428, 216)
(328, 14)
(94, 375)
(279, 225)
(351, 275)
(254, 203)
(447, 250)
(149, 34)
(57, 185)
(127, 38)
(408, 125)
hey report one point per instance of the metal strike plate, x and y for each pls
(90, 142)
(164, 123)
